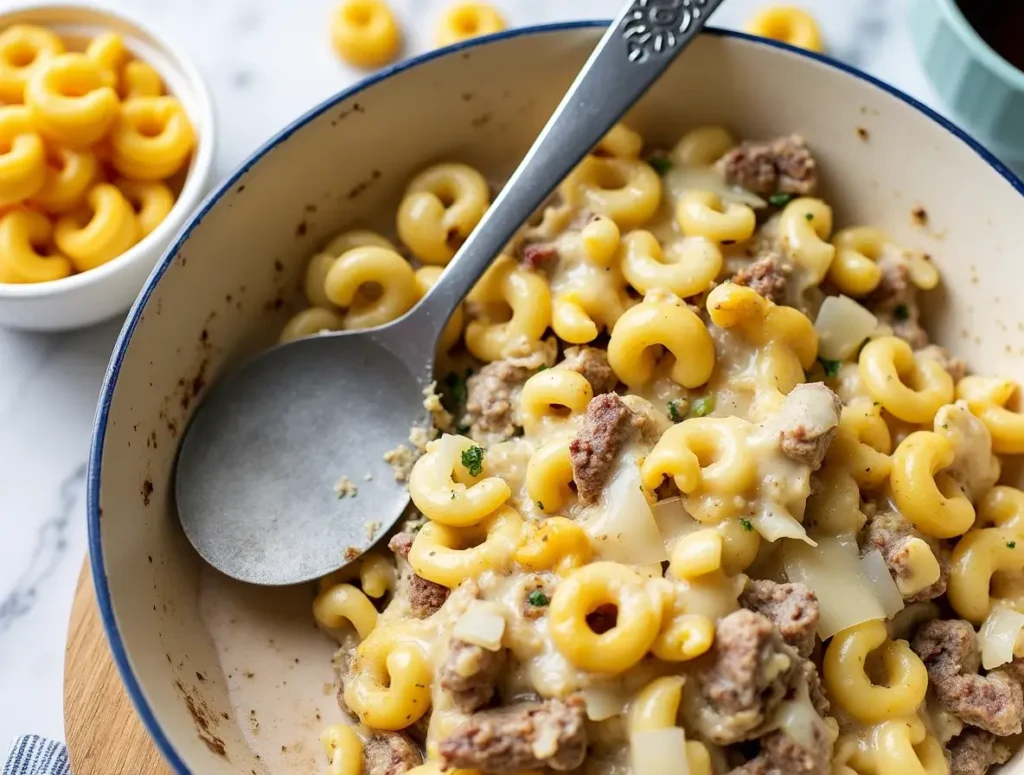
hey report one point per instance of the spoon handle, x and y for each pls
(638, 46)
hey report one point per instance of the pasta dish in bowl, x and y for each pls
(710, 487)
(700, 489)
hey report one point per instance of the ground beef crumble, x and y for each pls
(782, 755)
(592, 363)
(768, 276)
(537, 255)
(493, 392)
(470, 674)
(993, 702)
(792, 608)
(607, 425)
(527, 736)
(784, 165)
(955, 367)
(894, 302)
(390, 753)
(749, 673)
(807, 421)
(975, 750)
(891, 535)
(425, 597)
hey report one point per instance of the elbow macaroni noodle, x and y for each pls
(365, 32)
(22, 156)
(391, 687)
(987, 398)
(634, 632)
(696, 264)
(661, 324)
(445, 491)
(441, 205)
(552, 390)
(549, 476)
(101, 230)
(468, 20)
(852, 689)
(805, 225)
(527, 294)
(449, 555)
(344, 750)
(788, 24)
(625, 190)
(353, 271)
(909, 387)
(24, 50)
(703, 214)
(924, 494)
(23, 237)
(72, 100)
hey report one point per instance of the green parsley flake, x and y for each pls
(542, 367)
(660, 164)
(702, 406)
(537, 599)
(673, 410)
(831, 367)
(901, 312)
(746, 525)
(456, 388)
(780, 199)
(1011, 544)
(809, 216)
(540, 505)
(473, 460)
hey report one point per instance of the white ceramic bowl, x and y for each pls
(198, 653)
(90, 297)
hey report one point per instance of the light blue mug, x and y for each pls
(984, 92)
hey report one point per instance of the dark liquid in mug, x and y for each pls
(1000, 23)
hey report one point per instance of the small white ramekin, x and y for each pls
(102, 293)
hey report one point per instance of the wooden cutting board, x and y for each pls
(103, 732)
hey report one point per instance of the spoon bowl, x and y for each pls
(283, 479)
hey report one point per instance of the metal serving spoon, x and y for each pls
(258, 465)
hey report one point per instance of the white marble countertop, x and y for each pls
(266, 61)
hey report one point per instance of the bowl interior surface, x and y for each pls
(237, 680)
(24, 304)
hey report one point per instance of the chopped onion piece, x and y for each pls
(773, 526)
(682, 178)
(659, 752)
(799, 720)
(873, 566)
(482, 624)
(842, 327)
(623, 529)
(998, 636)
(606, 700)
(847, 592)
(673, 520)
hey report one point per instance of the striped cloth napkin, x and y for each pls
(35, 755)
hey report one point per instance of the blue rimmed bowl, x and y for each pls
(983, 90)
(230, 679)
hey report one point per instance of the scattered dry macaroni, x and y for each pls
(468, 20)
(365, 32)
(91, 151)
(697, 488)
(788, 24)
